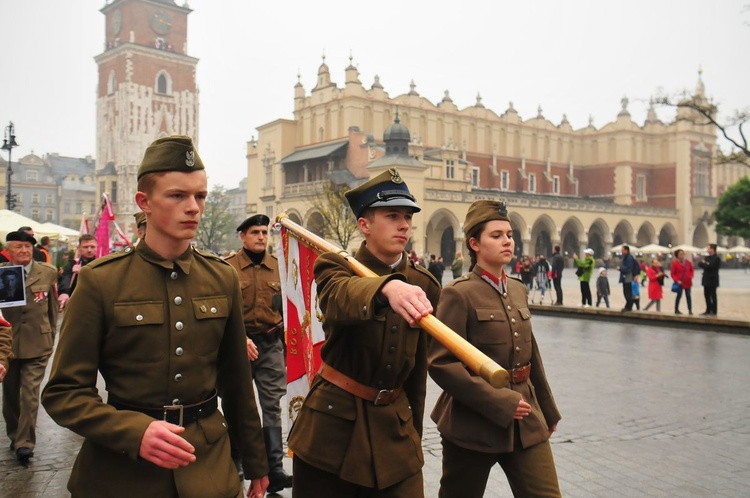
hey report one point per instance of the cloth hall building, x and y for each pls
(589, 187)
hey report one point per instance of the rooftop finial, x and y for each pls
(396, 119)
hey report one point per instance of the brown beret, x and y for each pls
(481, 211)
(140, 218)
(385, 190)
(20, 237)
(174, 153)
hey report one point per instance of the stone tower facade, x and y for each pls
(146, 89)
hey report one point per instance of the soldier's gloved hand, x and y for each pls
(409, 301)
(162, 446)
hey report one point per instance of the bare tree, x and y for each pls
(216, 223)
(700, 111)
(338, 222)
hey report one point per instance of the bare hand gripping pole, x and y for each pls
(478, 362)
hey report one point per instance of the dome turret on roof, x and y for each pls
(396, 131)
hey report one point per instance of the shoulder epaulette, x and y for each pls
(47, 265)
(423, 270)
(516, 278)
(210, 255)
(461, 279)
(110, 257)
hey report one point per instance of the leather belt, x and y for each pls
(520, 374)
(376, 396)
(181, 415)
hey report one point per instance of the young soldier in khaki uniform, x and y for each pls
(34, 326)
(264, 326)
(162, 322)
(359, 430)
(479, 424)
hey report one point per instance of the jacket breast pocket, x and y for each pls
(211, 315)
(525, 323)
(490, 325)
(137, 327)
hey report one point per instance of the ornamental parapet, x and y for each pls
(547, 202)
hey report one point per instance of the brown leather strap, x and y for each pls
(376, 396)
(520, 374)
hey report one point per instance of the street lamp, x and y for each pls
(8, 143)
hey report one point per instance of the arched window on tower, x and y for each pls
(163, 83)
(111, 83)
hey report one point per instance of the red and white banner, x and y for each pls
(302, 318)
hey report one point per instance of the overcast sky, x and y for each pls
(573, 57)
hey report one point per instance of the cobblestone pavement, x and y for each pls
(647, 411)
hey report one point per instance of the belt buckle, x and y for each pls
(381, 397)
(171, 408)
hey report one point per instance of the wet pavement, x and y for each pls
(647, 411)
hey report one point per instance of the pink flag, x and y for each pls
(102, 229)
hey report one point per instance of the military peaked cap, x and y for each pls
(385, 190)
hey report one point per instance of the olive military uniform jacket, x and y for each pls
(470, 412)
(368, 445)
(6, 339)
(261, 291)
(161, 333)
(34, 324)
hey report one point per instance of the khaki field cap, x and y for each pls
(481, 211)
(140, 218)
(385, 190)
(174, 153)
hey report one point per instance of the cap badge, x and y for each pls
(502, 209)
(190, 159)
(395, 177)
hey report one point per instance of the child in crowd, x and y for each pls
(636, 292)
(602, 287)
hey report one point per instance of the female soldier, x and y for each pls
(479, 424)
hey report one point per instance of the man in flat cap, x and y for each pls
(162, 323)
(359, 430)
(264, 326)
(34, 326)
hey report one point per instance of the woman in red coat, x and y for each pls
(655, 282)
(682, 273)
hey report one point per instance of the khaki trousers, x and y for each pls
(530, 472)
(311, 482)
(21, 399)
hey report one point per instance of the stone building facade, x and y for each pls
(588, 187)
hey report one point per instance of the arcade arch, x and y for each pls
(646, 234)
(599, 237)
(700, 235)
(668, 235)
(623, 233)
(542, 235)
(573, 236)
(443, 235)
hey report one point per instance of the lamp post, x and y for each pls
(8, 143)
